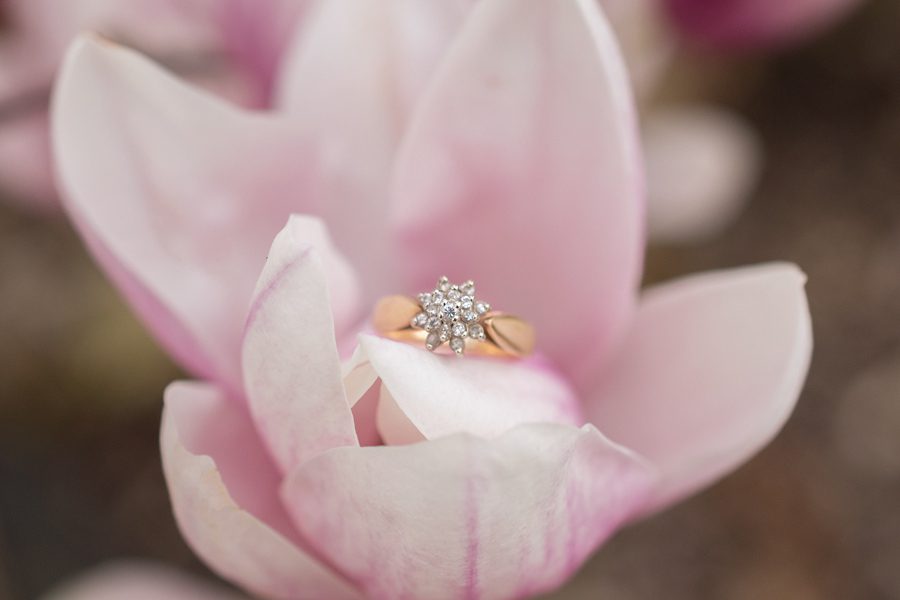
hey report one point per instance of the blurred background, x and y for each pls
(815, 515)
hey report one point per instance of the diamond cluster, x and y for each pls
(451, 313)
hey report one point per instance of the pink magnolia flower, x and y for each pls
(746, 24)
(412, 140)
(232, 46)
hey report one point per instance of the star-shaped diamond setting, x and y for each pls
(451, 313)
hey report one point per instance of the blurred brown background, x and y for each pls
(816, 515)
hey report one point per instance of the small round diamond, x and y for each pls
(476, 331)
(437, 296)
(459, 330)
(449, 311)
(468, 288)
(445, 333)
(433, 309)
(482, 307)
(420, 320)
(470, 316)
(425, 299)
(433, 323)
(453, 295)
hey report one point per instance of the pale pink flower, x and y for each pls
(231, 46)
(750, 24)
(414, 140)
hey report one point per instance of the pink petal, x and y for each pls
(741, 24)
(709, 373)
(702, 165)
(350, 82)
(179, 195)
(463, 517)
(435, 395)
(292, 372)
(138, 581)
(365, 413)
(222, 486)
(522, 172)
(258, 34)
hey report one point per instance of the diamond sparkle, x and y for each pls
(451, 313)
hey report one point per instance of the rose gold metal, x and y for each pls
(505, 335)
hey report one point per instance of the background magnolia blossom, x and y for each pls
(232, 46)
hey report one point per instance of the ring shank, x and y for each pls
(505, 335)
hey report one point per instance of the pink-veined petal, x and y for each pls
(292, 371)
(702, 165)
(709, 373)
(432, 396)
(223, 489)
(522, 171)
(138, 581)
(350, 81)
(177, 193)
(463, 517)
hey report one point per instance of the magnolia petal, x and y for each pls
(292, 372)
(702, 164)
(222, 486)
(365, 414)
(441, 395)
(393, 426)
(349, 83)
(709, 373)
(742, 24)
(258, 34)
(358, 375)
(522, 171)
(178, 193)
(138, 581)
(463, 517)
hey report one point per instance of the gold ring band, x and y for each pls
(451, 314)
